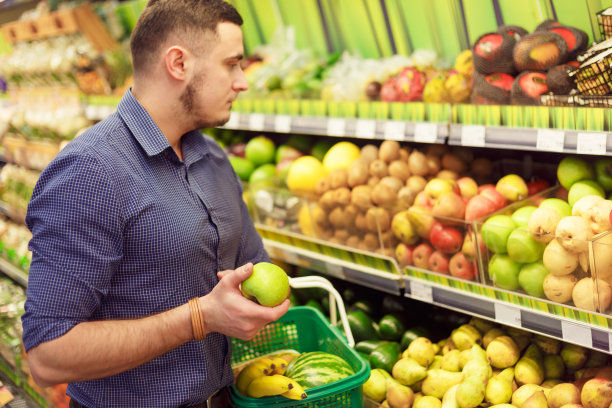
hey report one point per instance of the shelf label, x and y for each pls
(592, 143)
(395, 130)
(507, 315)
(550, 140)
(426, 132)
(421, 291)
(576, 333)
(336, 127)
(234, 121)
(473, 135)
(334, 270)
(257, 121)
(282, 123)
(365, 128)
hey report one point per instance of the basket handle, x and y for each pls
(334, 299)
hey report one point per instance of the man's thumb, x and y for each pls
(241, 273)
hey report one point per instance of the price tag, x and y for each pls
(365, 128)
(507, 315)
(421, 291)
(282, 123)
(473, 135)
(257, 121)
(234, 121)
(426, 132)
(550, 140)
(336, 127)
(334, 270)
(591, 143)
(395, 130)
(576, 333)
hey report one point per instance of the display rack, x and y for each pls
(13, 272)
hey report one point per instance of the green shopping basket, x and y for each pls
(305, 329)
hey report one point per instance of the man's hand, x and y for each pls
(227, 311)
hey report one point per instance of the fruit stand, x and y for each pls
(445, 156)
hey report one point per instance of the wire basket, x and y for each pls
(594, 77)
(604, 19)
(305, 329)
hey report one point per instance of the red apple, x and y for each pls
(468, 187)
(485, 186)
(237, 149)
(478, 206)
(460, 267)
(421, 200)
(450, 206)
(495, 196)
(421, 254)
(403, 253)
(562, 193)
(535, 186)
(446, 239)
(438, 262)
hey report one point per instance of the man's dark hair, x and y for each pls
(190, 19)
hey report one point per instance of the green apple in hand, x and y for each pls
(268, 285)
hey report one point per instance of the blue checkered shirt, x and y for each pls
(121, 228)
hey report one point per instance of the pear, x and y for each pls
(464, 357)
(481, 325)
(465, 336)
(436, 363)
(450, 361)
(520, 337)
(558, 260)
(498, 390)
(553, 366)
(470, 393)
(574, 357)
(564, 393)
(408, 372)
(448, 346)
(477, 369)
(523, 393)
(503, 352)
(427, 401)
(548, 345)
(550, 383)
(376, 385)
(398, 395)
(573, 233)
(490, 335)
(530, 369)
(537, 400)
(543, 223)
(597, 359)
(602, 257)
(502, 406)
(596, 393)
(439, 381)
(421, 349)
(449, 400)
(591, 296)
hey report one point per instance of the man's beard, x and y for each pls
(191, 106)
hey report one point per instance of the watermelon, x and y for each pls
(318, 368)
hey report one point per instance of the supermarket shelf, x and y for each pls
(553, 140)
(13, 272)
(25, 395)
(562, 328)
(423, 132)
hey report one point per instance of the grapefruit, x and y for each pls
(303, 175)
(340, 156)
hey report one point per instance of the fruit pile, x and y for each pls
(482, 363)
(542, 247)
(513, 66)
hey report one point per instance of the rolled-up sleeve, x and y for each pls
(76, 244)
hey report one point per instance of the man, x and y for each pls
(140, 215)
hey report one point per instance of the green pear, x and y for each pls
(537, 400)
(450, 361)
(427, 401)
(507, 374)
(448, 346)
(547, 345)
(421, 349)
(574, 357)
(398, 395)
(477, 369)
(490, 335)
(376, 385)
(439, 381)
(550, 383)
(465, 336)
(523, 393)
(464, 357)
(553, 366)
(597, 359)
(481, 325)
(408, 372)
(449, 400)
(502, 406)
(478, 353)
(528, 371)
(564, 393)
(470, 393)
(503, 352)
(498, 390)
(436, 363)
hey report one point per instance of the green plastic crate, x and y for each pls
(304, 329)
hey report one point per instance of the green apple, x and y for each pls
(320, 148)
(268, 285)
(263, 175)
(561, 206)
(243, 167)
(260, 150)
(521, 216)
(521, 247)
(503, 271)
(572, 169)
(603, 172)
(495, 232)
(584, 188)
(531, 278)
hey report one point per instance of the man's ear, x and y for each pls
(176, 62)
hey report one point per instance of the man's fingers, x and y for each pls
(239, 274)
(280, 310)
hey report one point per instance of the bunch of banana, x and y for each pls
(264, 377)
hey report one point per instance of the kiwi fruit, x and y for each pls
(378, 217)
(452, 162)
(336, 218)
(576, 39)
(433, 163)
(360, 221)
(539, 51)
(513, 30)
(559, 81)
(350, 213)
(352, 241)
(327, 200)
(481, 167)
(389, 151)
(369, 242)
(492, 52)
(393, 182)
(404, 153)
(436, 150)
(372, 181)
(378, 168)
(406, 196)
(342, 196)
(382, 194)
(447, 175)
(358, 173)
(361, 196)
(418, 163)
(399, 169)
(528, 87)
(338, 178)
(416, 183)
(369, 152)
(492, 89)
(320, 217)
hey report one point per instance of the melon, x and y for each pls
(318, 368)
